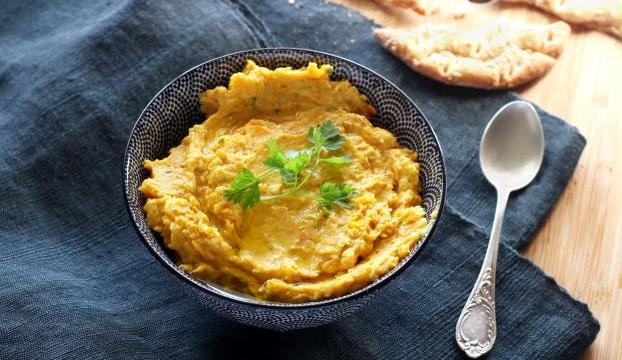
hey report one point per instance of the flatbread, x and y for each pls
(602, 15)
(496, 56)
(422, 7)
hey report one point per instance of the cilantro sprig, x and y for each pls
(295, 169)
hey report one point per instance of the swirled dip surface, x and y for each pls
(286, 250)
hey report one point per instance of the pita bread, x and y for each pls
(423, 7)
(494, 56)
(602, 15)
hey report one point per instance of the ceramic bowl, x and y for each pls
(166, 120)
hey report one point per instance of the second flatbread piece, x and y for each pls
(423, 7)
(602, 15)
(455, 8)
(497, 56)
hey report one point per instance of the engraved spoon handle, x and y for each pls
(476, 329)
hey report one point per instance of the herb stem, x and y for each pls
(298, 186)
(265, 174)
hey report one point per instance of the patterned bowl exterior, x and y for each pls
(167, 118)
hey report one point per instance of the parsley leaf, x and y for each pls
(276, 160)
(244, 189)
(291, 171)
(325, 136)
(336, 194)
(290, 165)
(337, 160)
(315, 138)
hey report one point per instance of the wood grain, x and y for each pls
(580, 244)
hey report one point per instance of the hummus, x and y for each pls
(288, 249)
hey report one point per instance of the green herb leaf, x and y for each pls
(244, 189)
(277, 159)
(337, 160)
(315, 138)
(325, 136)
(336, 194)
(332, 137)
(291, 171)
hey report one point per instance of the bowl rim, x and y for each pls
(369, 288)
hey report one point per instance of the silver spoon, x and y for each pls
(510, 155)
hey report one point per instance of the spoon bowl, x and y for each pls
(512, 146)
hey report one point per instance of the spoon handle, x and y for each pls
(476, 329)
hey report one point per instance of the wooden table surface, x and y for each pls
(580, 244)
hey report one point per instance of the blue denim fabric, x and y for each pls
(77, 282)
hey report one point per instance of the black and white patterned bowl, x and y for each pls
(166, 120)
